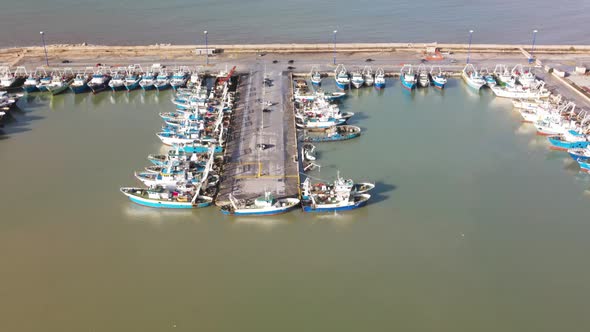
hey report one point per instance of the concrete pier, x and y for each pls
(261, 147)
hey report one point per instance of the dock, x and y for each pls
(261, 146)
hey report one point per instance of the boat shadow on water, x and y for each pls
(381, 192)
(16, 121)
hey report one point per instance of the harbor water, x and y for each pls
(298, 21)
(474, 225)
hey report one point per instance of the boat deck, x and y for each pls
(249, 169)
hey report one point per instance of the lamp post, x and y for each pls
(469, 49)
(335, 31)
(44, 47)
(206, 49)
(533, 47)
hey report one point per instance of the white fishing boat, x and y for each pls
(368, 76)
(357, 79)
(525, 77)
(262, 206)
(504, 76)
(423, 80)
(33, 80)
(117, 81)
(472, 77)
(133, 77)
(518, 92)
(488, 77)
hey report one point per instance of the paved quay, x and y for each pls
(261, 145)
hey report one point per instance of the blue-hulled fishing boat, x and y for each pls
(32, 80)
(487, 77)
(439, 80)
(580, 154)
(44, 81)
(379, 78)
(341, 77)
(571, 139)
(159, 197)
(133, 77)
(315, 76)
(584, 165)
(162, 80)
(148, 81)
(339, 196)
(408, 77)
(179, 78)
(80, 83)
(197, 147)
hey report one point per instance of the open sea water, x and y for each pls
(130, 22)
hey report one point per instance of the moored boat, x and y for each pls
(262, 206)
(472, 77)
(580, 154)
(162, 80)
(100, 80)
(179, 78)
(379, 79)
(571, 139)
(60, 82)
(407, 77)
(488, 77)
(333, 134)
(338, 196)
(422, 73)
(368, 76)
(341, 77)
(12, 82)
(148, 80)
(315, 76)
(32, 81)
(503, 76)
(80, 83)
(160, 197)
(117, 81)
(439, 79)
(357, 79)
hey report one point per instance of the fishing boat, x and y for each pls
(308, 152)
(341, 77)
(571, 139)
(584, 165)
(60, 82)
(160, 197)
(503, 76)
(518, 92)
(333, 134)
(194, 80)
(10, 81)
(315, 76)
(8, 101)
(472, 77)
(32, 81)
(80, 83)
(368, 76)
(525, 77)
(99, 81)
(318, 123)
(339, 196)
(262, 206)
(379, 79)
(44, 82)
(488, 77)
(407, 77)
(357, 79)
(162, 80)
(423, 80)
(439, 79)
(133, 77)
(580, 154)
(117, 81)
(179, 78)
(198, 147)
(148, 81)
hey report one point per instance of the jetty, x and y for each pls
(261, 146)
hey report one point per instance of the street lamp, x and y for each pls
(44, 47)
(206, 49)
(533, 47)
(469, 49)
(335, 31)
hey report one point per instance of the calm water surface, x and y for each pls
(127, 22)
(474, 226)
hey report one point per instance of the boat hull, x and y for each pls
(58, 90)
(132, 86)
(408, 85)
(328, 208)
(166, 205)
(98, 87)
(117, 87)
(30, 88)
(79, 89)
(578, 156)
(558, 144)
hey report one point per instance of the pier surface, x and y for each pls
(261, 147)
